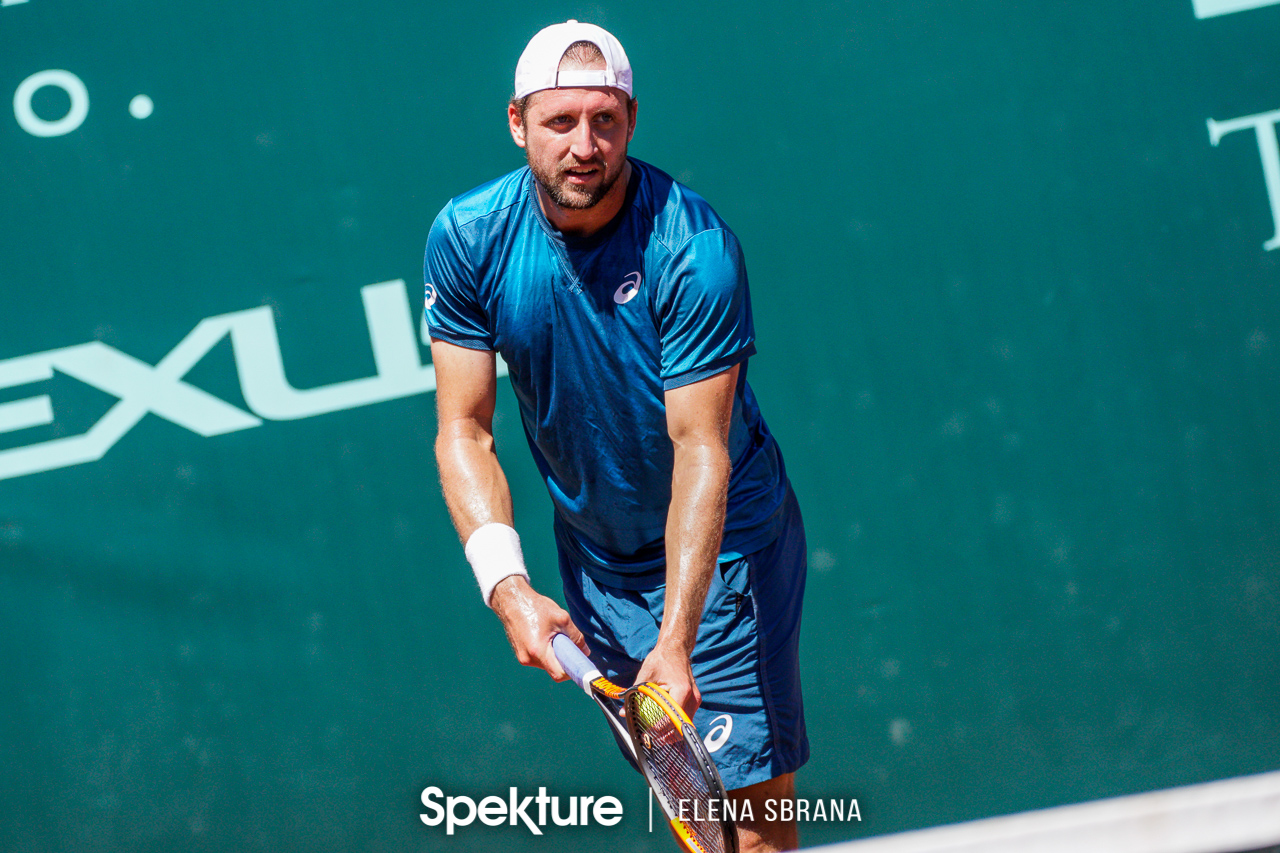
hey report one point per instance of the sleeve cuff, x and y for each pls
(720, 365)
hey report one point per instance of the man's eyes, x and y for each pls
(605, 119)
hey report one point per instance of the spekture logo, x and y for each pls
(494, 810)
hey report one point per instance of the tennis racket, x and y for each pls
(666, 747)
(584, 674)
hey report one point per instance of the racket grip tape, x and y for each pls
(577, 665)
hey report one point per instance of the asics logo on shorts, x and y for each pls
(628, 289)
(721, 728)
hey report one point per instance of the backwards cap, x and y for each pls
(539, 65)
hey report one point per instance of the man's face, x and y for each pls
(575, 141)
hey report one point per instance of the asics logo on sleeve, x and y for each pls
(628, 290)
(431, 296)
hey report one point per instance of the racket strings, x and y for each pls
(676, 775)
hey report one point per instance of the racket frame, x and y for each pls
(702, 764)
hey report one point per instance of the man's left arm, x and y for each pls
(698, 418)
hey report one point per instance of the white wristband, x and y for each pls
(493, 551)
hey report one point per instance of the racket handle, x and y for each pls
(577, 665)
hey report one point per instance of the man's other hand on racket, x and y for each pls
(668, 666)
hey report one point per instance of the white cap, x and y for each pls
(539, 65)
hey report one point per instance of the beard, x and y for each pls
(563, 194)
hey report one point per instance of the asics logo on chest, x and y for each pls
(628, 289)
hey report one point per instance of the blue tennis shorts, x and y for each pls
(746, 661)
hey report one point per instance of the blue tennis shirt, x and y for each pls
(593, 332)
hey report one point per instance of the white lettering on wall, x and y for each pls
(142, 388)
(56, 77)
(1213, 8)
(1264, 127)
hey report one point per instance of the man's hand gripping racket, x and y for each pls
(667, 749)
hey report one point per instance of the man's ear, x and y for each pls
(515, 124)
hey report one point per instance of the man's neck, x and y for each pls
(580, 223)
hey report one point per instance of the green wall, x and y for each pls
(1018, 335)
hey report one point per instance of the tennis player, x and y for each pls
(618, 300)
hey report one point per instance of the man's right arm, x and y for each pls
(476, 492)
